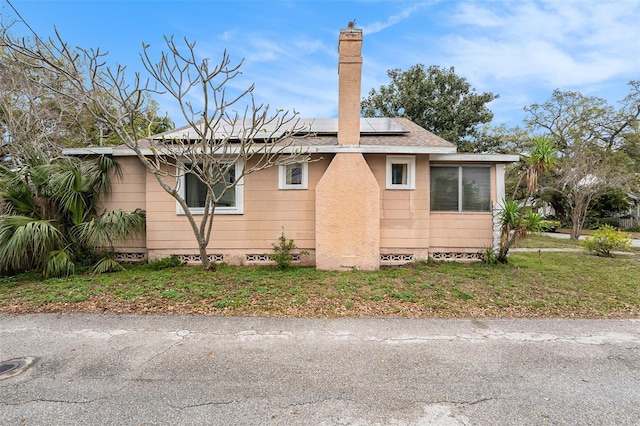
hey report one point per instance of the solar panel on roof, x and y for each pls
(381, 125)
(377, 125)
(368, 126)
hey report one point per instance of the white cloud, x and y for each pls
(393, 19)
(555, 43)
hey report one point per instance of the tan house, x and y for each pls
(380, 191)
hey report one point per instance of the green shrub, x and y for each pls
(164, 263)
(282, 252)
(489, 256)
(605, 240)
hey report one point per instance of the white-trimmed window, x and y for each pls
(460, 188)
(401, 172)
(194, 192)
(294, 176)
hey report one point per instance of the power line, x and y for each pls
(24, 21)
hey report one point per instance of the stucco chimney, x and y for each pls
(348, 193)
(349, 78)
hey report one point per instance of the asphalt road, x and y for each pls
(177, 370)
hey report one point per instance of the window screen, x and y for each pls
(460, 188)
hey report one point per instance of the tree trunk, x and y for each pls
(204, 258)
(576, 221)
(578, 213)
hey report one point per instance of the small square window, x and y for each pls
(293, 176)
(401, 172)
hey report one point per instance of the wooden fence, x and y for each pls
(628, 223)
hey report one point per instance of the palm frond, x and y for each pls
(106, 264)
(542, 158)
(100, 173)
(18, 200)
(40, 176)
(110, 228)
(59, 264)
(25, 242)
(71, 191)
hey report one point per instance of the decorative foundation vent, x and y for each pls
(456, 256)
(265, 257)
(131, 257)
(194, 258)
(396, 258)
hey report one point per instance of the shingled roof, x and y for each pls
(388, 135)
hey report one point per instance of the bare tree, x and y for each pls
(33, 121)
(583, 174)
(222, 129)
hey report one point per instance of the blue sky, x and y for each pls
(520, 50)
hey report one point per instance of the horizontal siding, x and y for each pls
(128, 194)
(405, 213)
(267, 211)
(406, 223)
(461, 230)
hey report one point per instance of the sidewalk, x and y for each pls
(635, 243)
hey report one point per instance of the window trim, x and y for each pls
(460, 188)
(282, 177)
(410, 161)
(239, 188)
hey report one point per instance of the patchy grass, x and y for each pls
(533, 285)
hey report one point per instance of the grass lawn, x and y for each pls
(546, 284)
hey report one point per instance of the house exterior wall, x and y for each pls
(461, 232)
(268, 212)
(463, 235)
(404, 215)
(404, 222)
(128, 194)
(408, 227)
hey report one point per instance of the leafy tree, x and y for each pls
(597, 144)
(146, 124)
(517, 218)
(611, 202)
(436, 99)
(49, 218)
(500, 139)
(572, 118)
(216, 137)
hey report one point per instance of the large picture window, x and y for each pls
(460, 188)
(194, 192)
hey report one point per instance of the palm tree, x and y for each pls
(49, 219)
(518, 220)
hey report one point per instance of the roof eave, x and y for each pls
(90, 150)
(294, 149)
(476, 158)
